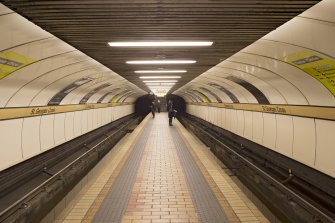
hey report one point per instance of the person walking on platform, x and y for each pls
(159, 106)
(153, 109)
(170, 111)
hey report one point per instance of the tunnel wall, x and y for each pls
(50, 91)
(279, 91)
(143, 103)
(23, 138)
(178, 103)
(306, 140)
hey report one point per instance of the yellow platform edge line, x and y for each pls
(213, 175)
(126, 147)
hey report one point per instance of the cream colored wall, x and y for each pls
(24, 138)
(56, 65)
(262, 64)
(307, 140)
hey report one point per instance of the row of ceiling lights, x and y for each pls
(155, 82)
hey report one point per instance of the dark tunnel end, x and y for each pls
(142, 104)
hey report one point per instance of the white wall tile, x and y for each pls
(104, 118)
(77, 123)
(257, 127)
(205, 114)
(110, 114)
(10, 138)
(188, 109)
(223, 118)
(115, 113)
(210, 114)
(228, 120)
(202, 113)
(208, 111)
(295, 137)
(270, 130)
(304, 140)
(69, 125)
(95, 122)
(234, 122)
(195, 111)
(100, 116)
(247, 124)
(31, 136)
(84, 118)
(47, 132)
(59, 128)
(240, 122)
(325, 148)
(132, 108)
(90, 117)
(214, 115)
(219, 117)
(198, 112)
(284, 142)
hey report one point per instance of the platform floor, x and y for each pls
(161, 173)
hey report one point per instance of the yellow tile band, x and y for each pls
(23, 112)
(295, 110)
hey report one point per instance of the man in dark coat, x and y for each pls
(159, 106)
(153, 109)
(170, 111)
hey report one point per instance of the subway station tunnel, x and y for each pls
(252, 84)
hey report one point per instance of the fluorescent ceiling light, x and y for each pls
(159, 77)
(159, 71)
(152, 84)
(161, 62)
(160, 43)
(160, 84)
(159, 87)
(158, 81)
(168, 84)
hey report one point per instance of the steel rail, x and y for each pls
(35, 191)
(279, 185)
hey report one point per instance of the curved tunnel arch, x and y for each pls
(267, 58)
(208, 91)
(265, 64)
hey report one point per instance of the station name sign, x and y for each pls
(42, 111)
(274, 109)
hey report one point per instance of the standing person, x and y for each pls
(170, 111)
(159, 106)
(153, 109)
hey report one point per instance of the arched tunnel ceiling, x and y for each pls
(88, 25)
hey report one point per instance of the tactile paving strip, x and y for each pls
(116, 201)
(206, 204)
